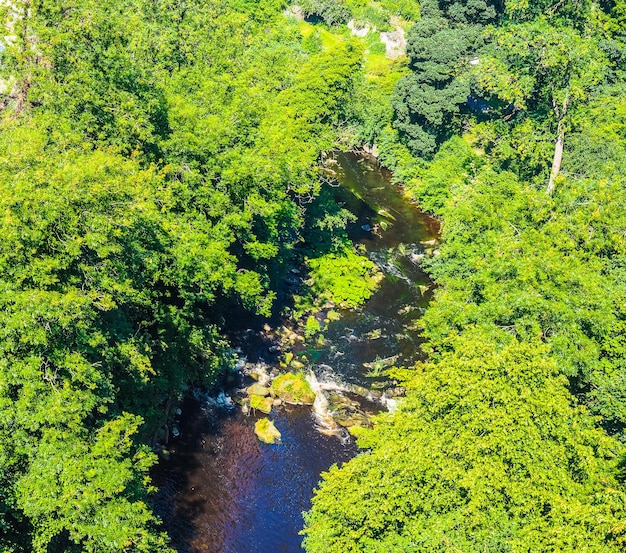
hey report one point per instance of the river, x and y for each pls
(220, 489)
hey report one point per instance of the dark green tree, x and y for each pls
(428, 101)
(332, 12)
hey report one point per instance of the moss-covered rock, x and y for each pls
(263, 404)
(258, 390)
(347, 419)
(266, 431)
(293, 388)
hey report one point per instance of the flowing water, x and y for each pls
(220, 489)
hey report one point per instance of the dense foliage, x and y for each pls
(156, 159)
(511, 436)
(159, 167)
(440, 47)
(363, 13)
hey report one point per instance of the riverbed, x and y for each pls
(220, 489)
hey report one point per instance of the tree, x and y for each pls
(487, 453)
(569, 12)
(537, 66)
(472, 11)
(154, 159)
(427, 101)
(440, 46)
(90, 491)
(88, 69)
(332, 12)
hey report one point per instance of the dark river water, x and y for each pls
(220, 489)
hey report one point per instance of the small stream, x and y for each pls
(220, 489)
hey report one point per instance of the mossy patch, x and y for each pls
(293, 388)
(263, 404)
(266, 431)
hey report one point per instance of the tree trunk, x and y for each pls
(558, 157)
(560, 141)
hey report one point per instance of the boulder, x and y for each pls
(348, 420)
(263, 404)
(395, 43)
(293, 388)
(358, 29)
(266, 431)
(398, 391)
(374, 334)
(258, 390)
(433, 242)
(338, 402)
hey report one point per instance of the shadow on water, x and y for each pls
(221, 490)
(396, 235)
